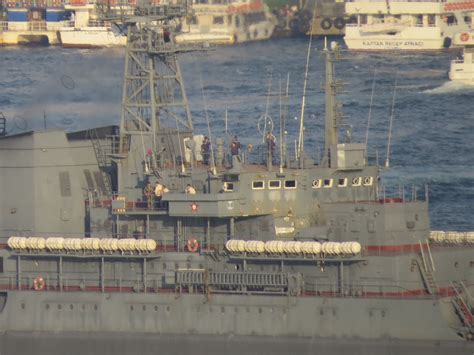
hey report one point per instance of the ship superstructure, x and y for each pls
(127, 230)
(406, 25)
(462, 69)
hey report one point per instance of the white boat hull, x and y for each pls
(411, 38)
(90, 37)
(259, 32)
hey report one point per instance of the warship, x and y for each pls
(146, 238)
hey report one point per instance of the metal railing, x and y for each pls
(37, 26)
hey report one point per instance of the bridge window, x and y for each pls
(356, 181)
(342, 182)
(274, 184)
(327, 183)
(218, 20)
(228, 186)
(290, 184)
(317, 183)
(258, 185)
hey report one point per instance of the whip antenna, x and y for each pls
(213, 165)
(387, 161)
(370, 111)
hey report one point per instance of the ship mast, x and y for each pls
(333, 114)
(154, 100)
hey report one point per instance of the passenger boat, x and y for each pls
(85, 29)
(462, 70)
(227, 22)
(30, 23)
(406, 25)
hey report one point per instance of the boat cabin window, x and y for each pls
(431, 20)
(451, 20)
(254, 17)
(397, 17)
(192, 20)
(342, 182)
(363, 19)
(274, 184)
(231, 177)
(327, 183)
(317, 183)
(356, 181)
(218, 20)
(258, 185)
(228, 186)
(467, 20)
(379, 19)
(368, 181)
(419, 20)
(237, 21)
(290, 184)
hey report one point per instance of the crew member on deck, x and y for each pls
(235, 146)
(149, 193)
(190, 190)
(270, 139)
(206, 150)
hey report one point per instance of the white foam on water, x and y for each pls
(449, 87)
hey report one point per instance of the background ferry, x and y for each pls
(406, 25)
(226, 22)
(85, 30)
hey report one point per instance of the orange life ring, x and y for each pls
(464, 36)
(192, 245)
(38, 283)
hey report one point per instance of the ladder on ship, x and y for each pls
(463, 304)
(427, 269)
(102, 161)
(3, 124)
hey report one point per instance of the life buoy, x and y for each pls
(464, 37)
(38, 283)
(326, 23)
(192, 245)
(339, 23)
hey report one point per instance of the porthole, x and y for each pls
(71, 307)
(144, 308)
(23, 306)
(368, 181)
(290, 184)
(356, 181)
(317, 183)
(60, 307)
(156, 308)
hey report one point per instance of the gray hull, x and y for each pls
(232, 324)
(19, 343)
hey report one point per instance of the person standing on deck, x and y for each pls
(206, 150)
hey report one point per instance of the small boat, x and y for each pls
(85, 30)
(462, 70)
(227, 22)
